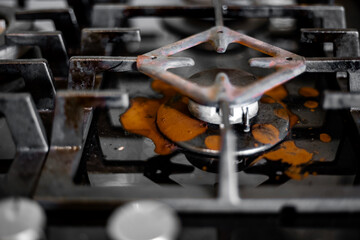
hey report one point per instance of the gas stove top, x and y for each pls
(179, 119)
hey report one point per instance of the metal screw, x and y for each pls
(246, 119)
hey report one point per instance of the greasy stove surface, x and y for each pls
(304, 187)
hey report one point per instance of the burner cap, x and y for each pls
(211, 113)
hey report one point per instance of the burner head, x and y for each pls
(212, 114)
(239, 113)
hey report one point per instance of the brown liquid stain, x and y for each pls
(308, 92)
(282, 113)
(266, 99)
(276, 95)
(289, 153)
(144, 114)
(140, 119)
(175, 121)
(293, 118)
(295, 172)
(165, 89)
(213, 142)
(311, 104)
(265, 133)
(324, 137)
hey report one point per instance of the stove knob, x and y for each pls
(143, 220)
(21, 219)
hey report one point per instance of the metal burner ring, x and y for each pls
(212, 114)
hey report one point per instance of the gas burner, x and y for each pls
(231, 98)
(239, 113)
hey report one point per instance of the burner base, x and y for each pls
(268, 128)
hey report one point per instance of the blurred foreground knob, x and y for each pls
(21, 219)
(143, 220)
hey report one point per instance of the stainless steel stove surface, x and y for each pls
(179, 119)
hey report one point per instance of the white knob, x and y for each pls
(143, 220)
(21, 219)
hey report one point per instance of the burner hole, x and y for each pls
(220, 31)
(289, 58)
(153, 57)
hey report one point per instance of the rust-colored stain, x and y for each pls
(266, 99)
(308, 92)
(295, 172)
(213, 142)
(145, 115)
(175, 121)
(276, 95)
(324, 137)
(166, 89)
(140, 119)
(289, 153)
(293, 118)
(311, 104)
(265, 133)
(282, 113)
